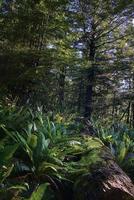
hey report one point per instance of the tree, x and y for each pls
(101, 30)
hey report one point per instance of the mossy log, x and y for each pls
(91, 169)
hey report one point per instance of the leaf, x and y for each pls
(122, 152)
(21, 140)
(46, 167)
(23, 187)
(32, 141)
(39, 192)
(7, 153)
(4, 175)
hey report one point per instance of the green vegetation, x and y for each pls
(70, 56)
(40, 157)
(66, 94)
(120, 139)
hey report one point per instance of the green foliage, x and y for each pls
(51, 155)
(45, 152)
(66, 57)
(38, 194)
(6, 164)
(120, 139)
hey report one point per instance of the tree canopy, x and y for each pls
(69, 55)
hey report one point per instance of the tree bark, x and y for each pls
(106, 183)
(80, 96)
(89, 95)
(91, 50)
(61, 89)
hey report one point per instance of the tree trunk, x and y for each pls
(91, 50)
(61, 89)
(89, 94)
(79, 96)
(132, 105)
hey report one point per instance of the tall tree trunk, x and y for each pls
(61, 89)
(132, 105)
(89, 94)
(132, 110)
(80, 95)
(91, 75)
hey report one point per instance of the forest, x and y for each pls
(66, 99)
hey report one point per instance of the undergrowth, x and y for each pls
(43, 153)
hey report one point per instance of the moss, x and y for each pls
(75, 156)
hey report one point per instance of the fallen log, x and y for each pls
(106, 183)
(92, 170)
